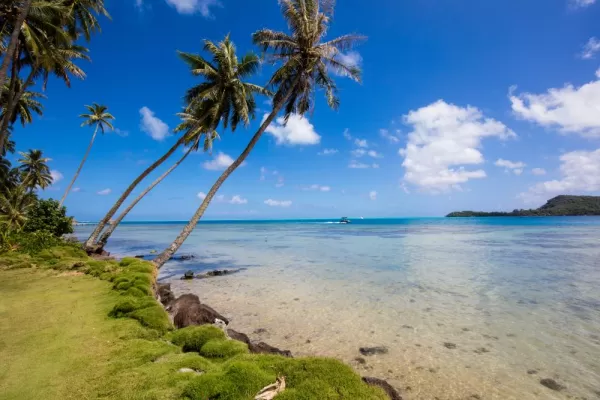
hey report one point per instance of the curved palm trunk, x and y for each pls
(87, 153)
(89, 244)
(163, 257)
(11, 107)
(14, 40)
(111, 228)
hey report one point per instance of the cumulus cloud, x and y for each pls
(515, 167)
(590, 48)
(316, 187)
(297, 131)
(351, 59)
(538, 171)
(105, 192)
(278, 203)
(237, 199)
(194, 6)
(280, 181)
(152, 125)
(220, 162)
(328, 152)
(75, 190)
(362, 152)
(445, 139)
(361, 143)
(347, 134)
(374, 154)
(358, 165)
(581, 3)
(56, 175)
(373, 195)
(570, 109)
(384, 133)
(580, 172)
(201, 195)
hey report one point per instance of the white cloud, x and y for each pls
(581, 3)
(263, 173)
(351, 59)
(361, 143)
(590, 49)
(317, 187)
(373, 195)
(104, 192)
(384, 133)
(445, 139)
(358, 153)
(328, 152)
(297, 131)
(220, 162)
(194, 6)
(237, 199)
(75, 190)
(201, 195)
(56, 176)
(357, 165)
(347, 134)
(374, 154)
(280, 181)
(278, 203)
(404, 187)
(580, 172)
(139, 4)
(153, 126)
(510, 166)
(121, 132)
(570, 109)
(538, 171)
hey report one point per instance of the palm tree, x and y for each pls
(35, 170)
(100, 118)
(14, 206)
(26, 105)
(306, 63)
(208, 141)
(223, 96)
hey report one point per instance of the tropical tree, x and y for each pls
(98, 117)
(27, 104)
(223, 97)
(34, 169)
(208, 142)
(306, 62)
(14, 207)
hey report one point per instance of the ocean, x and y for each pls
(474, 308)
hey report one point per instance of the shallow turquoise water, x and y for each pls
(531, 283)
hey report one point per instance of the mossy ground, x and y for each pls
(67, 335)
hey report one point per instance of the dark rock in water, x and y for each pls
(449, 345)
(532, 371)
(217, 272)
(188, 310)
(552, 384)
(184, 257)
(371, 351)
(259, 331)
(263, 348)
(481, 350)
(139, 256)
(165, 294)
(360, 360)
(239, 336)
(188, 275)
(387, 388)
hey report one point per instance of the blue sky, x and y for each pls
(464, 105)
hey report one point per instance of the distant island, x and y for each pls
(559, 206)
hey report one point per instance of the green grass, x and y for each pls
(70, 335)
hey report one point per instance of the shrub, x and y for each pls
(32, 242)
(48, 216)
(193, 338)
(153, 317)
(219, 348)
(127, 305)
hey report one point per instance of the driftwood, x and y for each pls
(269, 392)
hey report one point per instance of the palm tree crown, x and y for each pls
(306, 59)
(35, 170)
(26, 106)
(223, 95)
(98, 116)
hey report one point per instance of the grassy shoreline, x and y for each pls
(83, 328)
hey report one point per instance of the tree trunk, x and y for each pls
(163, 257)
(111, 228)
(89, 244)
(11, 107)
(87, 153)
(14, 39)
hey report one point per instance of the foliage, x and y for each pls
(15, 204)
(35, 170)
(192, 338)
(558, 206)
(49, 216)
(97, 115)
(30, 243)
(25, 107)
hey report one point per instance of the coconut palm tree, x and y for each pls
(192, 132)
(35, 170)
(223, 97)
(26, 105)
(14, 206)
(306, 62)
(98, 117)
